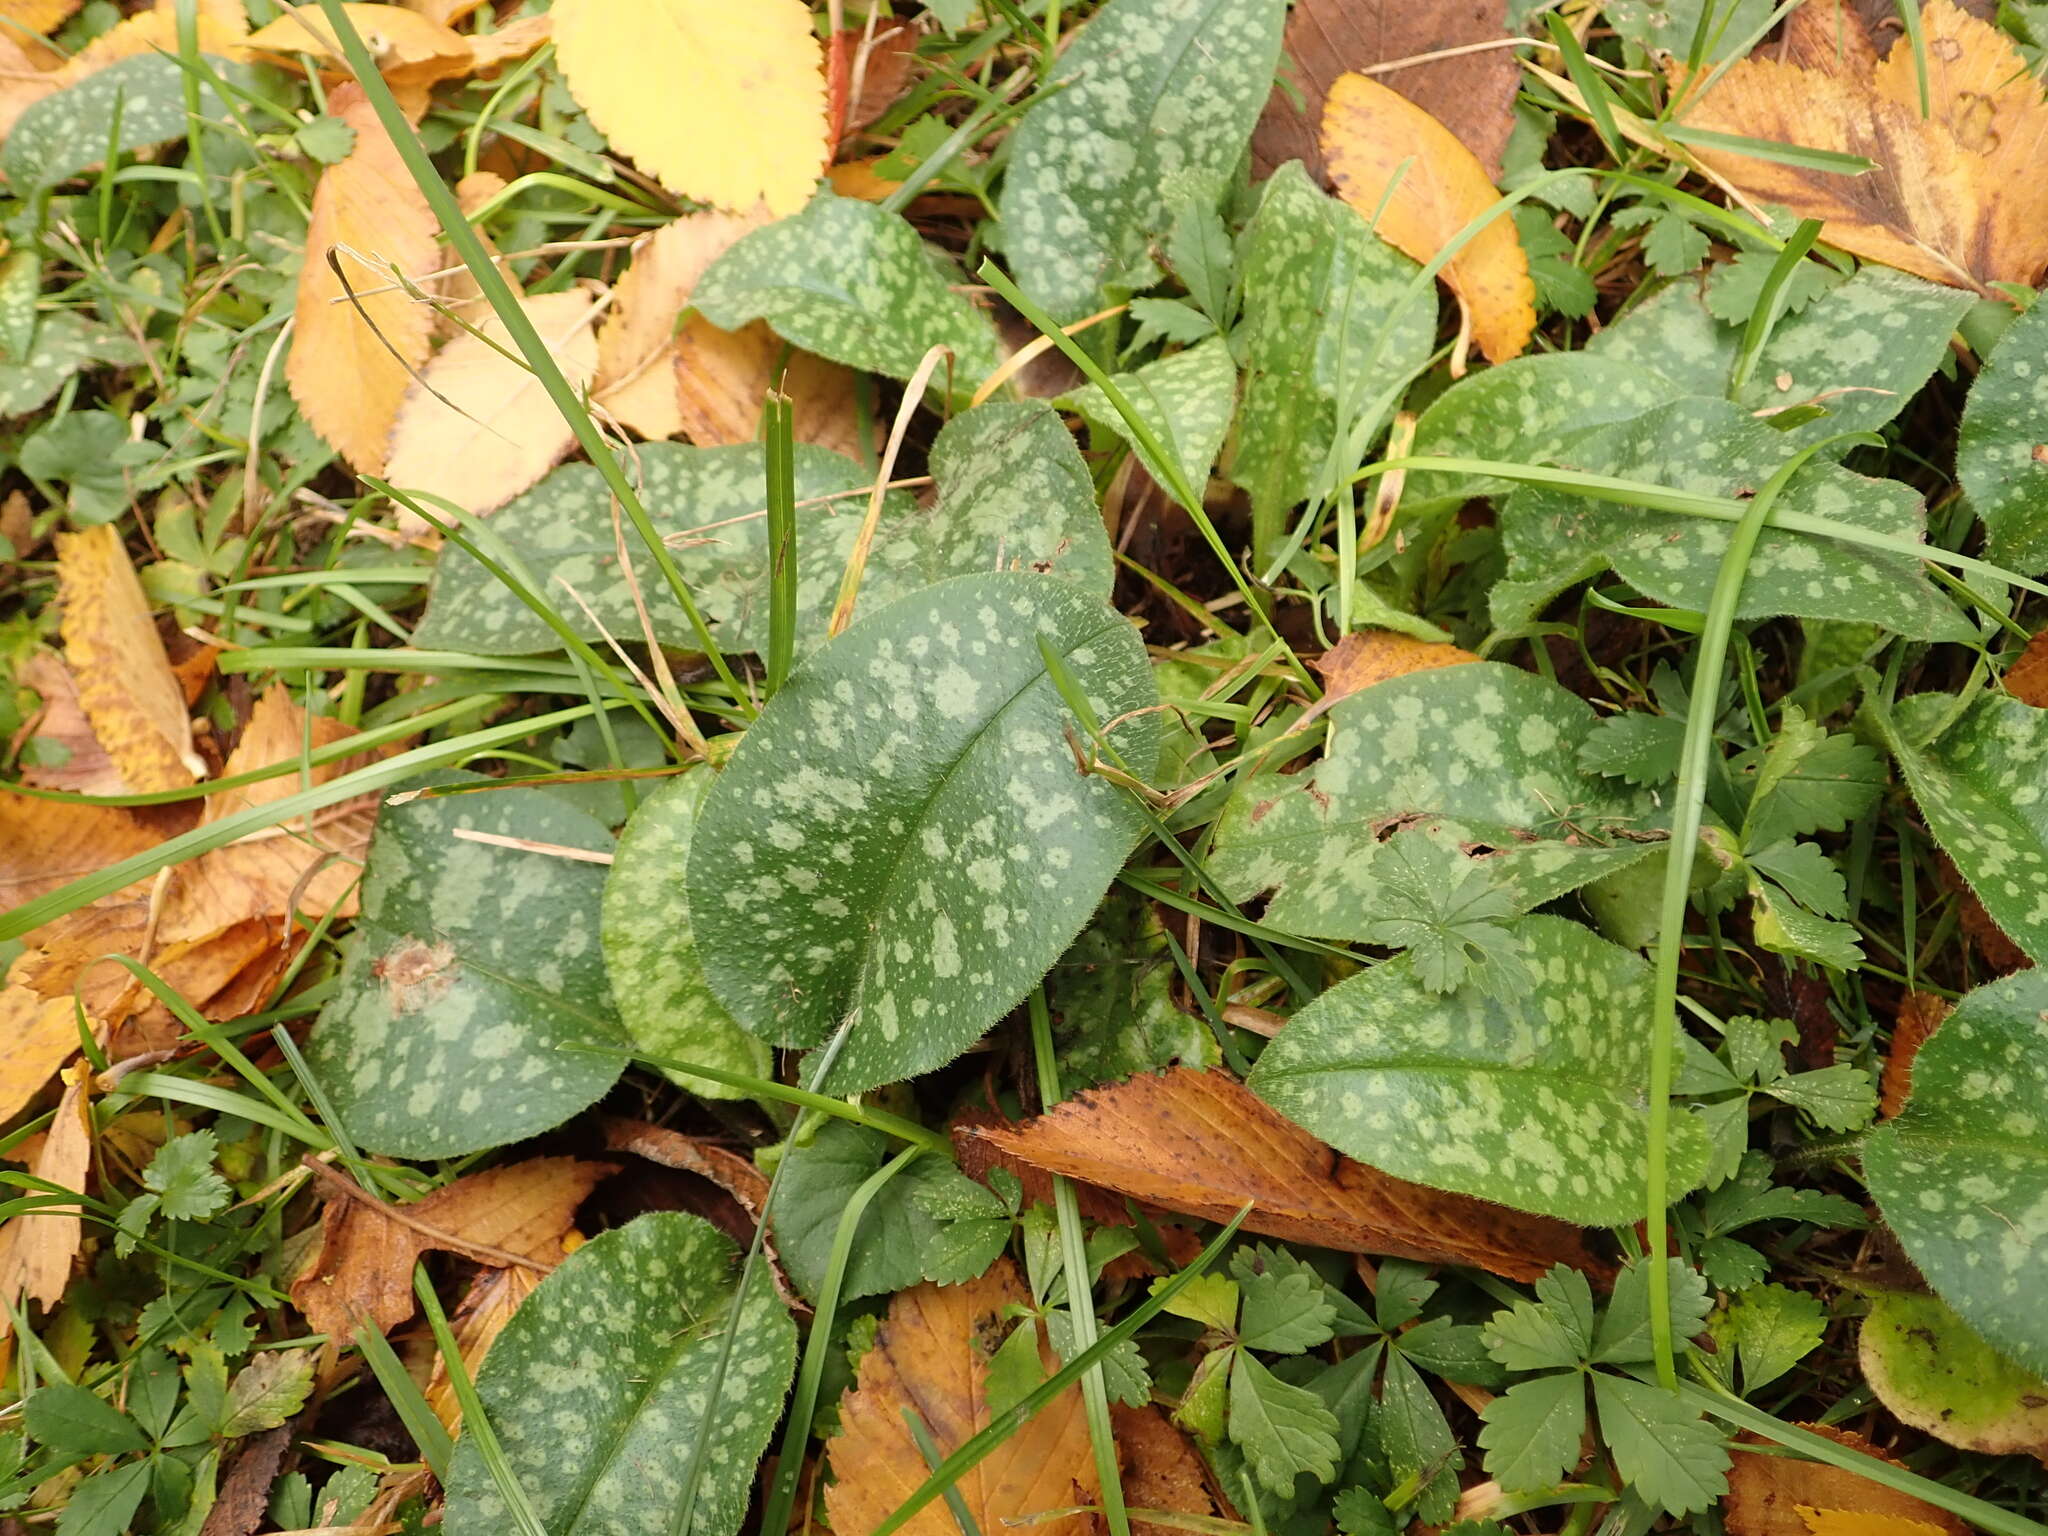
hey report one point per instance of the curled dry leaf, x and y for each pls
(1779, 1496)
(478, 427)
(1955, 197)
(721, 103)
(36, 1249)
(125, 683)
(352, 361)
(1391, 159)
(931, 1355)
(406, 45)
(1920, 1014)
(1203, 1144)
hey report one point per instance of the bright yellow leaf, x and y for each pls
(403, 42)
(719, 102)
(1860, 1522)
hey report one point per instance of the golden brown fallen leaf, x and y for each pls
(488, 50)
(362, 1267)
(1779, 1496)
(1203, 1144)
(68, 755)
(1369, 656)
(125, 683)
(478, 428)
(1956, 196)
(405, 44)
(859, 178)
(734, 1174)
(348, 370)
(1373, 135)
(1160, 1468)
(45, 844)
(220, 26)
(39, 16)
(722, 378)
(931, 1355)
(866, 73)
(447, 12)
(27, 75)
(36, 1249)
(1826, 34)
(486, 1307)
(37, 1036)
(1920, 1014)
(2027, 678)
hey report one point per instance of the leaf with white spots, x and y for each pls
(1484, 752)
(1555, 540)
(1111, 993)
(1961, 1174)
(600, 1388)
(64, 343)
(1535, 1100)
(1185, 400)
(1320, 293)
(651, 955)
(902, 841)
(1979, 786)
(1150, 105)
(1673, 333)
(473, 972)
(850, 282)
(64, 133)
(2002, 454)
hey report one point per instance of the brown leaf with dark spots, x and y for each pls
(245, 1492)
(1160, 1468)
(931, 1356)
(1203, 1144)
(1472, 94)
(1920, 1014)
(1781, 1496)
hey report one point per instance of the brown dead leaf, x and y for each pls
(244, 1497)
(1920, 1014)
(1202, 1143)
(36, 1249)
(1779, 1496)
(68, 755)
(1371, 135)
(734, 1174)
(1369, 656)
(2027, 678)
(722, 377)
(1998, 952)
(406, 45)
(931, 1354)
(362, 1267)
(1160, 1468)
(864, 75)
(486, 1307)
(1472, 94)
(1829, 35)
(125, 683)
(37, 1036)
(1956, 197)
(45, 844)
(478, 428)
(348, 370)
(17, 523)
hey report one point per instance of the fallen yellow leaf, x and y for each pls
(479, 428)
(36, 1249)
(67, 755)
(125, 682)
(26, 77)
(487, 50)
(486, 1307)
(447, 12)
(1956, 197)
(220, 26)
(1369, 656)
(45, 844)
(721, 103)
(37, 1036)
(462, 297)
(722, 378)
(403, 42)
(39, 16)
(350, 371)
(1373, 135)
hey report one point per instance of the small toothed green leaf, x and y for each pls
(1665, 1452)
(473, 973)
(1112, 1002)
(1171, 320)
(599, 1388)
(80, 1422)
(1553, 1332)
(268, 1391)
(1533, 1100)
(1809, 780)
(1751, 1196)
(64, 343)
(1771, 1329)
(1962, 1173)
(1533, 1429)
(1785, 926)
(1623, 1337)
(934, 850)
(1448, 912)
(1283, 1430)
(1185, 400)
(1150, 105)
(1641, 748)
(1999, 454)
(182, 1176)
(1839, 1098)
(1735, 287)
(1730, 1264)
(848, 281)
(1287, 1308)
(1415, 1437)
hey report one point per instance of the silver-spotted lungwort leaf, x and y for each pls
(1322, 298)
(1554, 539)
(64, 343)
(473, 972)
(1672, 333)
(848, 281)
(64, 133)
(2002, 453)
(902, 840)
(1961, 1174)
(1535, 1100)
(1979, 786)
(1151, 105)
(599, 1388)
(664, 1003)
(1487, 752)
(1185, 400)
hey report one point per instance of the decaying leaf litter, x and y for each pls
(701, 698)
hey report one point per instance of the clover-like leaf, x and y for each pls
(1534, 1100)
(1449, 914)
(1112, 1000)
(2000, 457)
(1184, 400)
(1150, 105)
(600, 1388)
(1962, 1173)
(902, 841)
(1533, 1430)
(473, 973)
(848, 281)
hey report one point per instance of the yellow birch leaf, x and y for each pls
(349, 370)
(1371, 135)
(636, 376)
(479, 428)
(718, 102)
(36, 1249)
(39, 16)
(125, 682)
(402, 42)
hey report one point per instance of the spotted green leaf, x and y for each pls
(2002, 453)
(1962, 1173)
(471, 969)
(1534, 1100)
(1322, 297)
(664, 1003)
(69, 130)
(1554, 539)
(1928, 1367)
(1979, 788)
(901, 840)
(1672, 333)
(1186, 400)
(1112, 1000)
(848, 281)
(1149, 106)
(1488, 751)
(64, 343)
(599, 1388)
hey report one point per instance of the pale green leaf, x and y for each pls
(79, 1422)
(1184, 400)
(1771, 1329)
(1736, 287)
(105, 1505)
(1999, 455)
(1785, 926)
(1283, 1430)
(1731, 1265)
(1665, 1452)
(1751, 1196)
(1168, 320)
(268, 1391)
(1209, 1299)
(1809, 780)
(183, 1177)
(1125, 1376)
(1928, 1367)
(1532, 1430)
(1639, 747)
